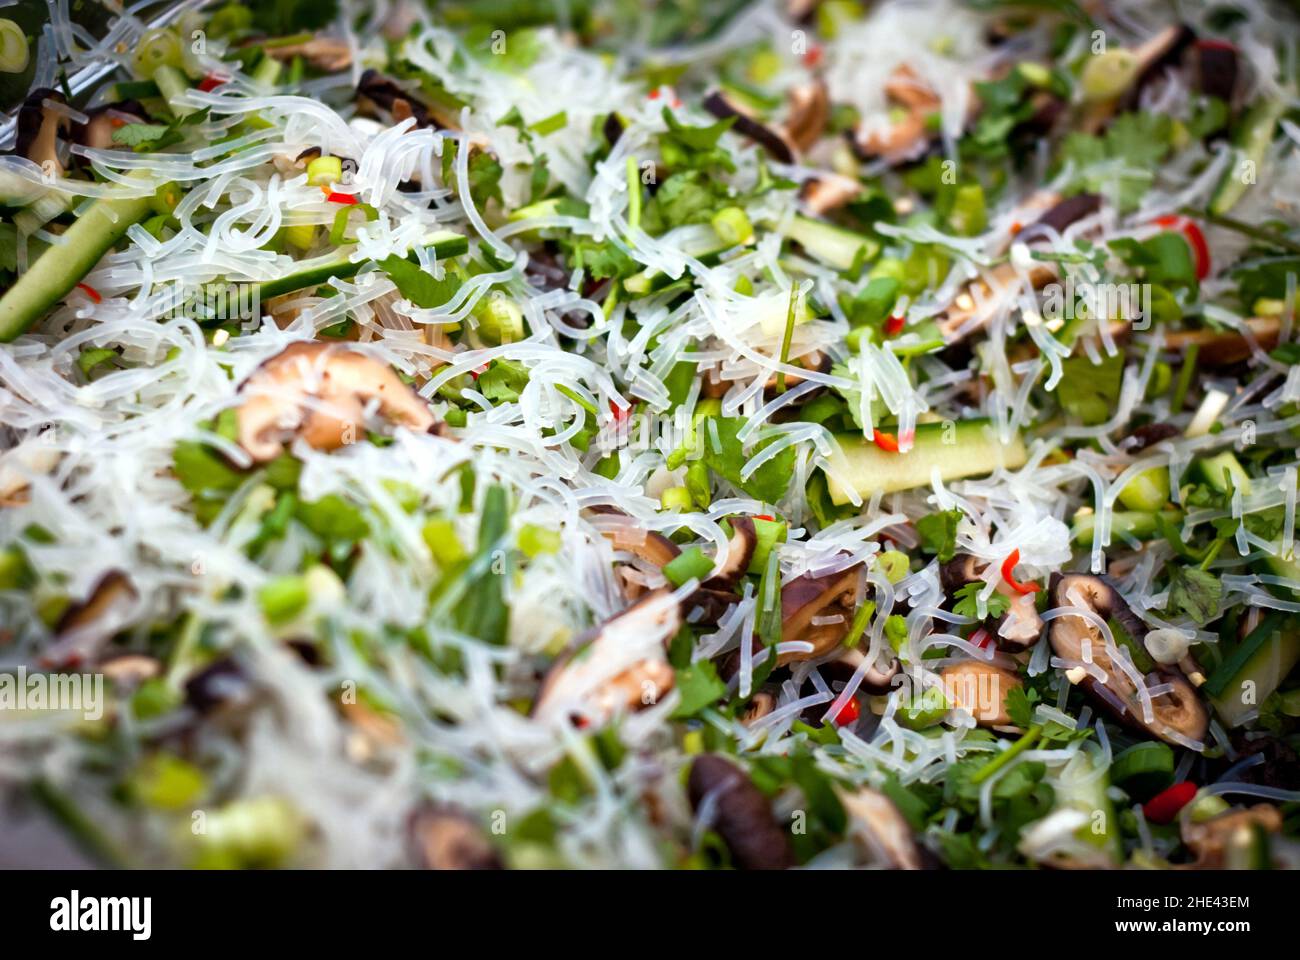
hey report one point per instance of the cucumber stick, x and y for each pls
(1255, 668)
(1250, 145)
(970, 448)
(62, 266)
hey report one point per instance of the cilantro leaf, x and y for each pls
(967, 604)
(700, 686)
(1019, 703)
(768, 483)
(136, 134)
(1195, 592)
(1090, 391)
(689, 197)
(503, 381)
(694, 148)
(938, 533)
(418, 286)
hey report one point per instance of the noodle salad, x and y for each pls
(600, 434)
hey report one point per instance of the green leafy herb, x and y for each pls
(768, 483)
(967, 604)
(938, 533)
(1194, 592)
(1090, 391)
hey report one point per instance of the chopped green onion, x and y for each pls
(535, 541)
(633, 194)
(338, 232)
(439, 536)
(860, 620)
(556, 121)
(14, 51)
(690, 564)
(324, 170)
(1185, 377)
(1006, 756)
(894, 564)
(787, 339)
(732, 226)
(283, 598)
(676, 498)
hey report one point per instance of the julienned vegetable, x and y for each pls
(62, 266)
(970, 448)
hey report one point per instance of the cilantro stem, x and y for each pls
(1246, 229)
(1029, 738)
(786, 340)
(633, 194)
(859, 624)
(1212, 552)
(1185, 377)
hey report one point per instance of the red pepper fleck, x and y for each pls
(654, 94)
(1016, 227)
(90, 292)
(849, 713)
(764, 516)
(620, 413)
(813, 56)
(345, 198)
(211, 82)
(478, 371)
(894, 325)
(676, 103)
(1008, 574)
(1164, 806)
(981, 638)
(1195, 239)
(885, 441)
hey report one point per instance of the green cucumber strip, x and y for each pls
(1231, 665)
(62, 267)
(969, 449)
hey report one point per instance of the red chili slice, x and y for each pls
(813, 56)
(894, 325)
(1164, 806)
(981, 638)
(1195, 239)
(211, 82)
(1008, 574)
(346, 198)
(885, 441)
(849, 713)
(620, 413)
(90, 292)
(764, 516)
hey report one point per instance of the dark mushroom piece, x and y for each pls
(579, 684)
(740, 550)
(742, 815)
(1219, 840)
(981, 690)
(39, 128)
(909, 136)
(1178, 716)
(1222, 349)
(808, 110)
(829, 191)
(321, 392)
(223, 685)
(448, 839)
(1062, 215)
(876, 681)
(1217, 69)
(327, 54)
(85, 627)
(770, 140)
(378, 93)
(876, 824)
(1021, 622)
(760, 705)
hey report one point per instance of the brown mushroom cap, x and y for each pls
(391, 97)
(1211, 839)
(39, 128)
(740, 550)
(742, 815)
(98, 131)
(980, 689)
(85, 627)
(577, 681)
(1180, 711)
(809, 110)
(320, 391)
(448, 839)
(909, 136)
(806, 596)
(875, 822)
